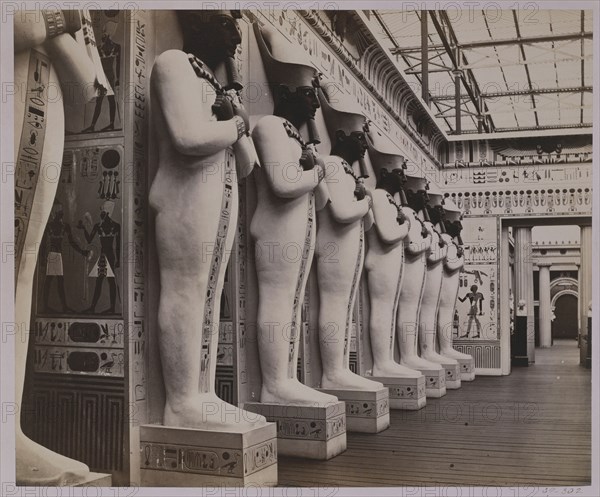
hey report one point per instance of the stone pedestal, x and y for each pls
(96, 480)
(435, 382)
(467, 369)
(405, 393)
(185, 457)
(306, 431)
(452, 376)
(366, 412)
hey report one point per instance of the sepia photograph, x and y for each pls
(254, 248)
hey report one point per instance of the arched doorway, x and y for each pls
(566, 311)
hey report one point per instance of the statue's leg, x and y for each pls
(383, 304)
(332, 334)
(444, 333)
(192, 277)
(282, 283)
(36, 464)
(407, 317)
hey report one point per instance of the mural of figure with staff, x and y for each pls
(56, 230)
(109, 233)
(476, 299)
(110, 56)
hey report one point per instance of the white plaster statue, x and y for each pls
(433, 282)
(453, 264)
(384, 258)
(283, 225)
(195, 196)
(341, 225)
(417, 246)
(51, 69)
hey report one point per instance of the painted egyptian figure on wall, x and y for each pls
(109, 259)
(57, 231)
(196, 122)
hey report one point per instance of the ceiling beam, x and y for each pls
(455, 61)
(519, 40)
(469, 136)
(522, 48)
(373, 22)
(527, 40)
(514, 93)
(500, 133)
(367, 23)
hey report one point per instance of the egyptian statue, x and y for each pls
(283, 226)
(51, 70)
(341, 224)
(385, 255)
(198, 122)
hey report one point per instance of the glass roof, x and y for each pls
(520, 70)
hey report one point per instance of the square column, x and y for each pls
(585, 295)
(545, 305)
(524, 322)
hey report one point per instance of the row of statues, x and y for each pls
(399, 230)
(402, 230)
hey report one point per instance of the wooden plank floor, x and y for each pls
(532, 427)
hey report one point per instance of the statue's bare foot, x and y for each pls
(39, 466)
(395, 370)
(347, 380)
(416, 362)
(292, 392)
(439, 359)
(455, 354)
(209, 412)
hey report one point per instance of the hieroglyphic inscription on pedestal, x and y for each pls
(367, 409)
(435, 381)
(209, 460)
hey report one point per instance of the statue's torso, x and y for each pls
(186, 182)
(284, 218)
(331, 230)
(382, 256)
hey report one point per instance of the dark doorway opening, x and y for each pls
(565, 323)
